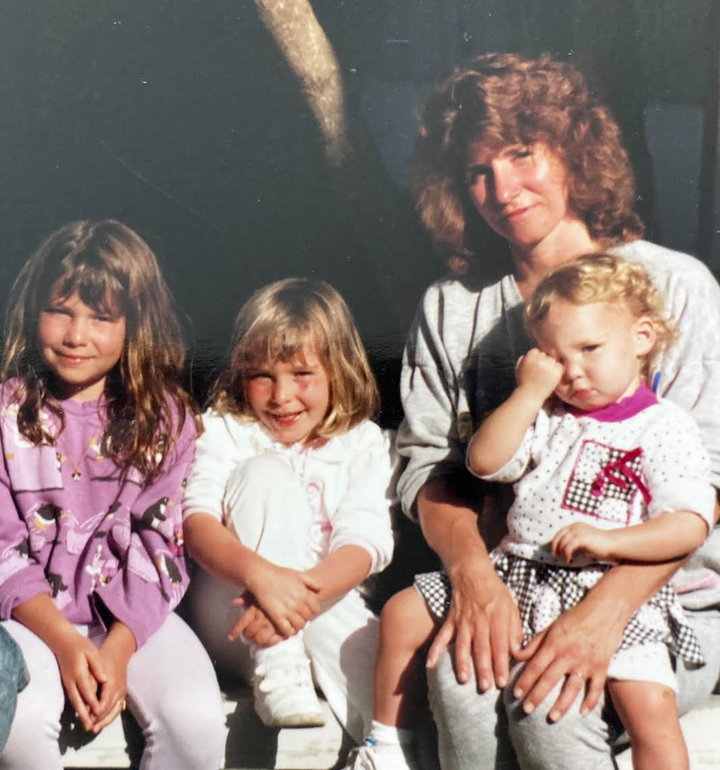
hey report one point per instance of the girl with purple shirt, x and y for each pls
(97, 439)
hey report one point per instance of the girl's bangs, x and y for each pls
(95, 285)
(270, 343)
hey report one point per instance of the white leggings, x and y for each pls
(269, 512)
(172, 692)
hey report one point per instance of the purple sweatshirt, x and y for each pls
(73, 526)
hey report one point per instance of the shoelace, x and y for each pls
(362, 757)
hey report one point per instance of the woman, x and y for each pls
(522, 144)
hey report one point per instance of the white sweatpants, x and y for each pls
(269, 512)
(172, 692)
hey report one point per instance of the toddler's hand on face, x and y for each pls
(538, 373)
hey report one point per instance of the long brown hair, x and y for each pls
(145, 404)
(275, 324)
(503, 99)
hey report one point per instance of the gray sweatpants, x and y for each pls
(480, 730)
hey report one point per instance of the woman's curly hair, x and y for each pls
(504, 99)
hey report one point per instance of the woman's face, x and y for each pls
(520, 191)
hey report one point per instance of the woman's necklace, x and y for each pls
(77, 473)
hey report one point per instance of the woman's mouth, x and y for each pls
(517, 214)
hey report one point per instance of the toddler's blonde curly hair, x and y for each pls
(601, 277)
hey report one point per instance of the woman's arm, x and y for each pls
(483, 618)
(667, 536)
(22, 576)
(584, 639)
(502, 431)
(436, 487)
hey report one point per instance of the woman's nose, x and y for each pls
(505, 182)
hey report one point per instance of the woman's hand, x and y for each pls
(288, 597)
(483, 618)
(484, 621)
(254, 624)
(581, 537)
(115, 652)
(83, 674)
(578, 647)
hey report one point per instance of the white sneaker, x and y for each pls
(382, 756)
(283, 690)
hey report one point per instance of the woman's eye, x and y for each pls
(520, 154)
(590, 348)
(474, 175)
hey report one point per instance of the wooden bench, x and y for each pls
(252, 746)
(249, 743)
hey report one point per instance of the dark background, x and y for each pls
(180, 118)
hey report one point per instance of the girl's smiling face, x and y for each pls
(290, 398)
(80, 344)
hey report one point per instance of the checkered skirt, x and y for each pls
(544, 591)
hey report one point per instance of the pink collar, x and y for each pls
(621, 410)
